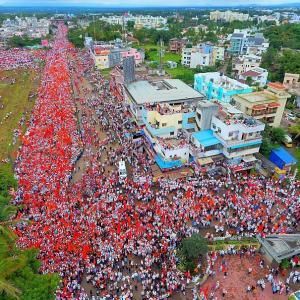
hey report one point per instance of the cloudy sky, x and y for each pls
(124, 3)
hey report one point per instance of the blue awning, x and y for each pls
(245, 145)
(206, 138)
(285, 156)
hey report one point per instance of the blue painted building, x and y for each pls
(217, 86)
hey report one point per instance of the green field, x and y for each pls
(14, 98)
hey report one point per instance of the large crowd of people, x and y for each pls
(110, 238)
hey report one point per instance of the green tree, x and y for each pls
(249, 80)
(265, 147)
(130, 25)
(295, 129)
(277, 135)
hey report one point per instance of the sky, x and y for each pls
(141, 3)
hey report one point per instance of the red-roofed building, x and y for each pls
(258, 75)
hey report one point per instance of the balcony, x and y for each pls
(231, 143)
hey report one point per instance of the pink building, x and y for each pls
(137, 54)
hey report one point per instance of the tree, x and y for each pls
(295, 129)
(130, 25)
(265, 147)
(277, 135)
(249, 81)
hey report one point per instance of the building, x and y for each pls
(267, 105)
(170, 91)
(291, 80)
(107, 56)
(245, 63)
(215, 85)
(140, 21)
(282, 159)
(258, 76)
(228, 16)
(277, 247)
(129, 69)
(239, 134)
(176, 45)
(201, 55)
(242, 42)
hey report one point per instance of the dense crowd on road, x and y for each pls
(110, 238)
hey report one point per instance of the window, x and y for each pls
(180, 122)
(164, 124)
(214, 126)
(230, 134)
(172, 133)
(191, 120)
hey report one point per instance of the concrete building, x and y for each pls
(176, 45)
(201, 55)
(140, 21)
(215, 85)
(291, 80)
(245, 63)
(108, 56)
(242, 42)
(267, 105)
(259, 76)
(228, 16)
(277, 247)
(239, 134)
(129, 69)
(171, 91)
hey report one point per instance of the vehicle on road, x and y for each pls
(122, 169)
(288, 141)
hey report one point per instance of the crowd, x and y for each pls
(110, 238)
(17, 58)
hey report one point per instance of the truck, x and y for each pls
(287, 141)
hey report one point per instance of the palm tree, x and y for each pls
(10, 259)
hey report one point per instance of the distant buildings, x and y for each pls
(29, 26)
(140, 21)
(228, 16)
(202, 55)
(215, 85)
(176, 45)
(258, 76)
(267, 105)
(241, 42)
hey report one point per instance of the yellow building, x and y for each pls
(267, 105)
(101, 58)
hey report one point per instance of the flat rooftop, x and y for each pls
(166, 90)
(258, 97)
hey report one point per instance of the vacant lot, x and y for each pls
(15, 104)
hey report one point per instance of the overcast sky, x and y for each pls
(124, 3)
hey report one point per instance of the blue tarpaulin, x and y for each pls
(282, 158)
(206, 138)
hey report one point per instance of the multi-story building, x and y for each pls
(108, 56)
(240, 135)
(244, 63)
(201, 55)
(242, 42)
(168, 91)
(140, 21)
(259, 76)
(228, 16)
(267, 105)
(215, 85)
(176, 45)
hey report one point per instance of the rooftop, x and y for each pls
(161, 91)
(258, 97)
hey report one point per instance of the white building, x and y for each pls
(258, 76)
(244, 63)
(202, 55)
(139, 20)
(228, 16)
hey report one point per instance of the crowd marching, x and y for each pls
(110, 238)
